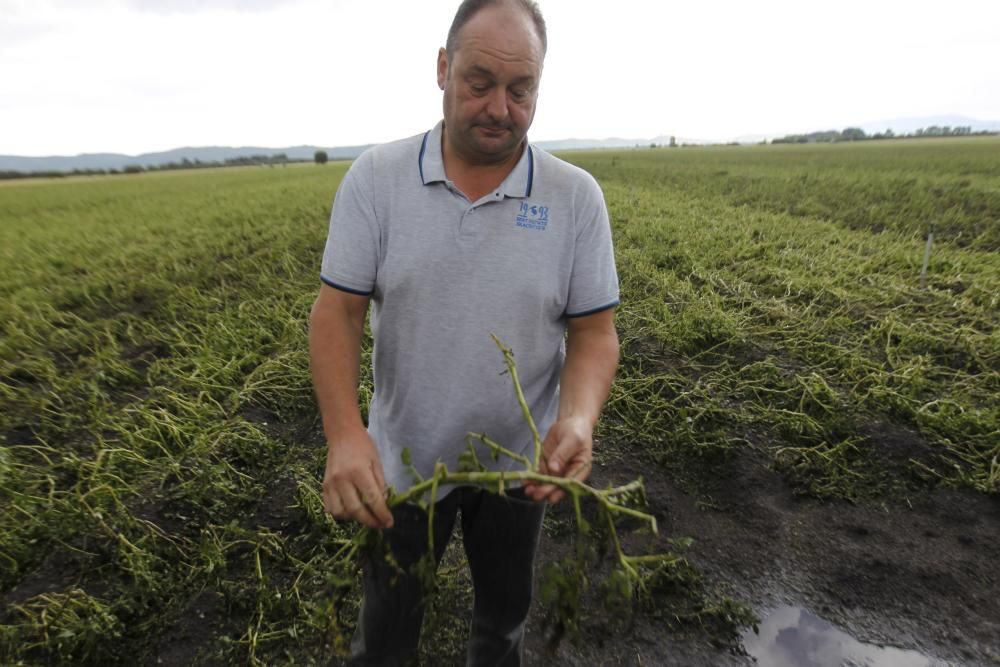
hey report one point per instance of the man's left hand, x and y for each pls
(567, 451)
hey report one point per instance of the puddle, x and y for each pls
(795, 637)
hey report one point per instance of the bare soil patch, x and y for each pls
(916, 573)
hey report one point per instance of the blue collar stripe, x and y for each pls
(531, 164)
(420, 159)
(531, 170)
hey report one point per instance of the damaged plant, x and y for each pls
(563, 583)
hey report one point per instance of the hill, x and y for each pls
(220, 154)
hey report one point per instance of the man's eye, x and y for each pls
(518, 93)
(479, 88)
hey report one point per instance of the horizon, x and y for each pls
(139, 76)
(640, 142)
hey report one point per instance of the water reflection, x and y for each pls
(794, 637)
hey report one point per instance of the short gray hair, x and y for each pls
(470, 8)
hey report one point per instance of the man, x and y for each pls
(451, 236)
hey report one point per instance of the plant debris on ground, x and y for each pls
(810, 424)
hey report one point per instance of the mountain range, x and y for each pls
(223, 153)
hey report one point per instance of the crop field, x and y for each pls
(810, 423)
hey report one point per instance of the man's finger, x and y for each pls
(371, 495)
(376, 469)
(374, 500)
(356, 509)
(563, 454)
(552, 493)
(531, 490)
(538, 490)
(543, 491)
(580, 471)
(331, 501)
(549, 445)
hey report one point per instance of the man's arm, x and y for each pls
(589, 370)
(353, 483)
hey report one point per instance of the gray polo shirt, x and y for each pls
(443, 273)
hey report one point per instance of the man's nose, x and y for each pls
(496, 107)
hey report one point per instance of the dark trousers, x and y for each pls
(500, 535)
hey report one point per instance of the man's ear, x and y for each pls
(442, 68)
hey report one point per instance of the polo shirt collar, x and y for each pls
(431, 164)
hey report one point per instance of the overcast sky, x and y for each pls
(134, 76)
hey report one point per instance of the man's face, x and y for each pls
(491, 85)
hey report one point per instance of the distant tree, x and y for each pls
(320, 157)
(133, 169)
(853, 134)
(673, 141)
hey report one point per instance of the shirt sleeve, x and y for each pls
(593, 285)
(350, 259)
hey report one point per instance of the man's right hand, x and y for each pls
(353, 484)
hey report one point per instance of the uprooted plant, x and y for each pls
(631, 579)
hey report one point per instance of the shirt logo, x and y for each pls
(532, 216)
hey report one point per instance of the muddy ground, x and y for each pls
(917, 573)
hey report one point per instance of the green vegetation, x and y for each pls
(160, 457)
(771, 298)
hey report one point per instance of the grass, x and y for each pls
(160, 454)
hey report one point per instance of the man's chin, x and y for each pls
(489, 144)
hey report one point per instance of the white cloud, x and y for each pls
(201, 6)
(139, 75)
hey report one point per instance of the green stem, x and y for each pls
(433, 501)
(497, 447)
(635, 485)
(570, 485)
(508, 358)
(655, 558)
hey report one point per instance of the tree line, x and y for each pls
(239, 161)
(857, 134)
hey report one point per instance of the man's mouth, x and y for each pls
(493, 131)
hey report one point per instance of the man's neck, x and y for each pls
(476, 179)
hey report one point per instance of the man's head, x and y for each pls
(489, 72)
